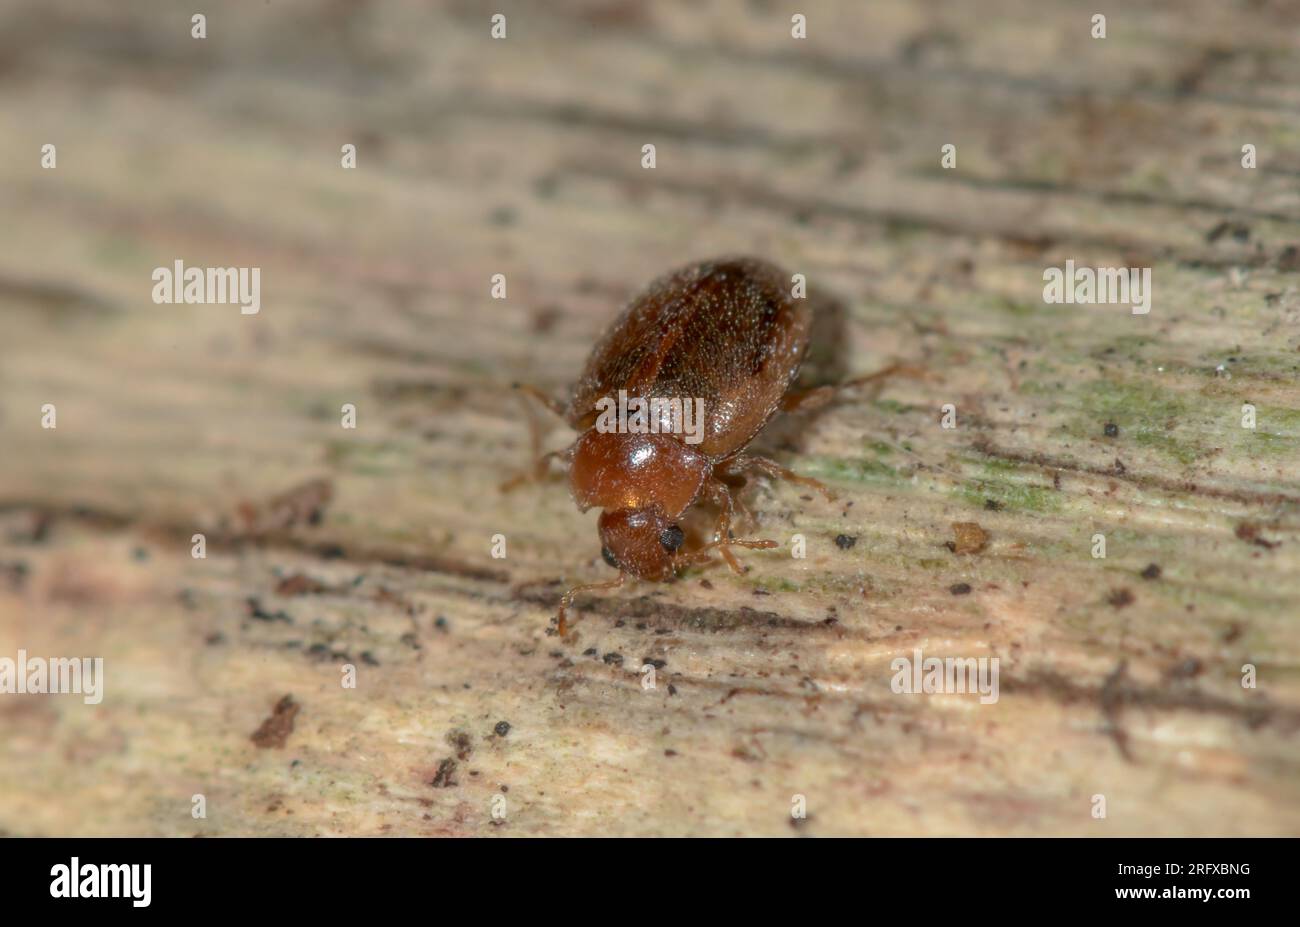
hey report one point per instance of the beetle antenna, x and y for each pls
(561, 626)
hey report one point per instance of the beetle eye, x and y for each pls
(671, 538)
(609, 557)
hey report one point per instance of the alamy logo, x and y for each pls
(653, 416)
(55, 676)
(181, 284)
(950, 676)
(87, 880)
(1119, 285)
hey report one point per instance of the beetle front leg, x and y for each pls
(540, 460)
(536, 475)
(722, 530)
(773, 470)
(723, 541)
(552, 405)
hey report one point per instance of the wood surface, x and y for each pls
(371, 547)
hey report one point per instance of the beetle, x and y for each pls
(726, 331)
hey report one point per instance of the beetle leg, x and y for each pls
(535, 475)
(724, 549)
(561, 625)
(773, 470)
(722, 530)
(723, 540)
(541, 396)
(807, 400)
(720, 494)
(540, 460)
(810, 399)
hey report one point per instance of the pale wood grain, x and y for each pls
(522, 157)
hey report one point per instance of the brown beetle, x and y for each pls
(726, 332)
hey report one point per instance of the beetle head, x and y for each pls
(641, 541)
